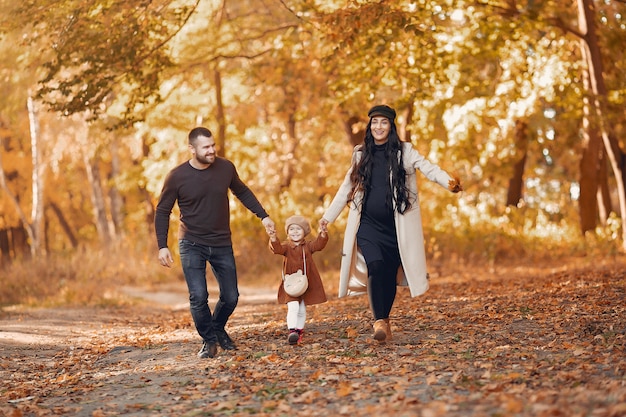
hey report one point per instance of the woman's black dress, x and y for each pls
(376, 236)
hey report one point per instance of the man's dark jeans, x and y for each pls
(194, 257)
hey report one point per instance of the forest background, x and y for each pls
(523, 100)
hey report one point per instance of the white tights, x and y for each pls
(296, 314)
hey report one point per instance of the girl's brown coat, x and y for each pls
(292, 252)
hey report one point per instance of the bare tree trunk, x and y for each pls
(587, 201)
(5, 247)
(5, 187)
(586, 17)
(37, 212)
(353, 130)
(220, 141)
(589, 164)
(516, 183)
(409, 120)
(150, 211)
(288, 169)
(221, 119)
(147, 197)
(605, 206)
(19, 241)
(117, 203)
(64, 224)
(97, 200)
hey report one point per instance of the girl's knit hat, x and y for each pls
(301, 221)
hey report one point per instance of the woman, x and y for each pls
(383, 242)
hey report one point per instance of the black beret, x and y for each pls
(382, 110)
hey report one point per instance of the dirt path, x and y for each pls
(520, 342)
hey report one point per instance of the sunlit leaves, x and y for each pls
(296, 76)
(100, 51)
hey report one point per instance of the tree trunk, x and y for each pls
(37, 212)
(589, 164)
(150, 210)
(5, 248)
(516, 183)
(115, 197)
(147, 196)
(64, 224)
(409, 120)
(587, 201)
(97, 200)
(5, 187)
(605, 206)
(586, 17)
(19, 241)
(288, 169)
(220, 140)
(353, 130)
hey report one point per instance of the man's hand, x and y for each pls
(165, 257)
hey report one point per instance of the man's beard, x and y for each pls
(204, 160)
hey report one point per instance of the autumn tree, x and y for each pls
(493, 89)
(512, 54)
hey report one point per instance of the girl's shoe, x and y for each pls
(294, 336)
(300, 335)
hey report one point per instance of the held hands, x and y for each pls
(323, 230)
(323, 226)
(270, 228)
(269, 225)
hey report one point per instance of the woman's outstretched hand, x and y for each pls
(454, 184)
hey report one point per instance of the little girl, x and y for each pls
(293, 249)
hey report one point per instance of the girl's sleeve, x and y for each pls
(277, 247)
(318, 243)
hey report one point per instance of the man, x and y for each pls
(201, 186)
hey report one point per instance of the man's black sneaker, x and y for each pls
(209, 350)
(224, 340)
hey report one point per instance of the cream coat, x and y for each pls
(412, 271)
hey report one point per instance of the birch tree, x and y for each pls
(36, 226)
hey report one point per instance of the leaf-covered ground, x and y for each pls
(519, 342)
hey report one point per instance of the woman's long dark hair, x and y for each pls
(361, 175)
